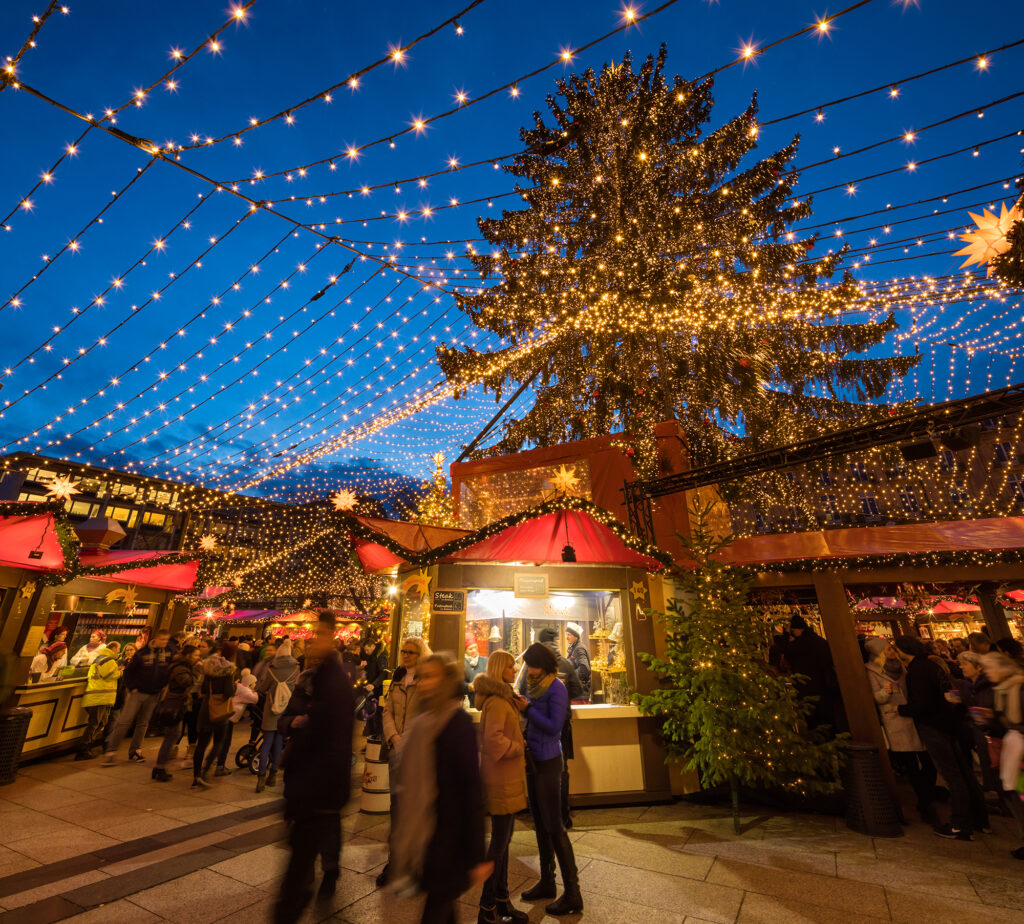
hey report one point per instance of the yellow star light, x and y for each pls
(62, 488)
(208, 543)
(565, 480)
(989, 239)
(639, 590)
(344, 499)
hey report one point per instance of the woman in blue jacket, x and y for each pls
(545, 707)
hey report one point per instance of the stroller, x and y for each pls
(248, 755)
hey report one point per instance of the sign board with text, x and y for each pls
(448, 601)
(531, 586)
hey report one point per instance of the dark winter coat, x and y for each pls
(179, 691)
(980, 693)
(926, 702)
(458, 842)
(376, 669)
(148, 670)
(580, 658)
(318, 756)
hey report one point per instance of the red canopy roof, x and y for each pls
(22, 536)
(178, 575)
(541, 540)
(416, 537)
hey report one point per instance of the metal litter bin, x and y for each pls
(870, 806)
(13, 728)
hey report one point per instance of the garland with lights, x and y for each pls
(720, 710)
(666, 278)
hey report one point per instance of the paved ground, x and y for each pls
(90, 844)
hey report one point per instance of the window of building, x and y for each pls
(909, 500)
(869, 504)
(1016, 483)
(29, 496)
(80, 508)
(154, 519)
(947, 460)
(825, 477)
(123, 514)
(1003, 452)
(958, 495)
(859, 471)
(760, 522)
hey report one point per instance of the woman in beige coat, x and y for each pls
(503, 768)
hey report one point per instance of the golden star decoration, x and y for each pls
(208, 543)
(438, 458)
(62, 488)
(639, 590)
(418, 583)
(27, 589)
(565, 480)
(125, 594)
(988, 239)
(343, 499)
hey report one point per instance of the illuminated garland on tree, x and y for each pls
(667, 278)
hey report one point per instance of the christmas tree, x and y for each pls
(433, 506)
(723, 713)
(664, 280)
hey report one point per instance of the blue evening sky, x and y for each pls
(228, 373)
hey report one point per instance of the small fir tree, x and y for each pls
(434, 505)
(664, 279)
(723, 713)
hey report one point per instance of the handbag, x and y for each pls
(219, 707)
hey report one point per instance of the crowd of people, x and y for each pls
(447, 776)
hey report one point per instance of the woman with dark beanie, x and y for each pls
(545, 707)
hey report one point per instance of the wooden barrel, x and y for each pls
(376, 798)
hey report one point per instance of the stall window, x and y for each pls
(908, 497)
(123, 514)
(498, 619)
(154, 519)
(1003, 453)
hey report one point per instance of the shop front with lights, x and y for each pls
(504, 590)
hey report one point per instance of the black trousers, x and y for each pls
(208, 732)
(967, 801)
(310, 836)
(438, 910)
(98, 716)
(543, 786)
(496, 886)
(920, 773)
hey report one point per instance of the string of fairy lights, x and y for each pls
(222, 456)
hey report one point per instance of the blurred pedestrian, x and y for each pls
(317, 774)
(217, 706)
(437, 844)
(503, 768)
(544, 707)
(170, 711)
(276, 685)
(144, 680)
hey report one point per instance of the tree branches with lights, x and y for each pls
(667, 277)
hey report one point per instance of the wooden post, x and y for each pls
(861, 712)
(992, 612)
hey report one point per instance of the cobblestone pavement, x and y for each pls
(85, 843)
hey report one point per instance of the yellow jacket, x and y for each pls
(101, 687)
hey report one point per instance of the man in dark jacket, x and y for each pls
(568, 675)
(937, 725)
(317, 774)
(579, 656)
(144, 678)
(808, 654)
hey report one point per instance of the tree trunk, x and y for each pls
(734, 791)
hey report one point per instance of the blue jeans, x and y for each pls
(270, 751)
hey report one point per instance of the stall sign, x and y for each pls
(449, 601)
(531, 586)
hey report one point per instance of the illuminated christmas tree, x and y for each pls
(663, 279)
(434, 505)
(722, 712)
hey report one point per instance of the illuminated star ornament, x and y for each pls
(27, 589)
(125, 594)
(639, 590)
(62, 488)
(565, 480)
(208, 543)
(988, 241)
(344, 499)
(417, 585)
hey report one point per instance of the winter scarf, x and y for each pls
(417, 783)
(535, 689)
(893, 668)
(1008, 700)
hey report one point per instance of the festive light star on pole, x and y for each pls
(208, 543)
(343, 500)
(565, 480)
(62, 488)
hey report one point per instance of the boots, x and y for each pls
(161, 775)
(571, 902)
(222, 771)
(543, 889)
(508, 911)
(488, 916)
(261, 783)
(272, 778)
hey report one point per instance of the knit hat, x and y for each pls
(471, 640)
(574, 628)
(876, 645)
(911, 646)
(100, 633)
(284, 650)
(797, 622)
(546, 635)
(248, 678)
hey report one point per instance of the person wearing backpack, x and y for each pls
(277, 683)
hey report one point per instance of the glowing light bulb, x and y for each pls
(982, 64)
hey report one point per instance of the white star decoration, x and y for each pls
(989, 240)
(62, 487)
(344, 500)
(565, 480)
(208, 543)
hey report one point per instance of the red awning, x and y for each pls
(30, 542)
(179, 576)
(541, 540)
(415, 537)
(374, 557)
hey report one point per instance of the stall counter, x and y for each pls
(607, 754)
(57, 714)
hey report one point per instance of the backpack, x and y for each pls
(282, 694)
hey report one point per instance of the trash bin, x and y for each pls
(870, 806)
(13, 727)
